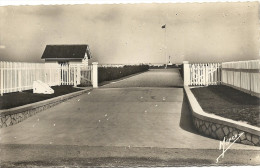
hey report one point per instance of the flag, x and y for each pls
(164, 26)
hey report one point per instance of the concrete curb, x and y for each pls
(219, 127)
(15, 115)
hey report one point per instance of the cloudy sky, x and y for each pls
(129, 34)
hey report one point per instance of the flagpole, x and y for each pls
(165, 45)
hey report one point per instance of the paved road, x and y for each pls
(116, 120)
(152, 78)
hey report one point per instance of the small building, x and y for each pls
(67, 54)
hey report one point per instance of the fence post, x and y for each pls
(186, 73)
(2, 78)
(218, 74)
(221, 73)
(70, 68)
(62, 73)
(75, 77)
(19, 77)
(95, 74)
(78, 74)
(207, 74)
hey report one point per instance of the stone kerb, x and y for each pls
(218, 127)
(15, 115)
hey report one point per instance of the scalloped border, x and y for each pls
(198, 113)
(19, 114)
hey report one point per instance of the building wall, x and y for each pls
(85, 60)
(72, 62)
(50, 61)
(82, 62)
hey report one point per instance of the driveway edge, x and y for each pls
(15, 115)
(219, 127)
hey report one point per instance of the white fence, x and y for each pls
(242, 75)
(18, 76)
(73, 74)
(203, 74)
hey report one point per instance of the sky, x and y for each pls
(132, 33)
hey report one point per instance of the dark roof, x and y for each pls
(66, 52)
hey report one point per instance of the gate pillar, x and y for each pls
(95, 74)
(186, 73)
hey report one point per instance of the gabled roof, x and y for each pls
(66, 52)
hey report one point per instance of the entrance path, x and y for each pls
(151, 78)
(131, 116)
(107, 121)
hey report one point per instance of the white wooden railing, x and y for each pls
(242, 75)
(18, 76)
(202, 74)
(73, 74)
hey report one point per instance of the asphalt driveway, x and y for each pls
(152, 78)
(118, 115)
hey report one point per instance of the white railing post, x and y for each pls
(207, 74)
(219, 74)
(186, 73)
(95, 74)
(20, 77)
(70, 68)
(78, 74)
(62, 74)
(75, 77)
(68, 73)
(2, 78)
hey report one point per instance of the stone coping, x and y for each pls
(198, 112)
(26, 107)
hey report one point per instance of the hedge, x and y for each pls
(112, 73)
(181, 71)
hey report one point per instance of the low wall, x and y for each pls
(218, 127)
(15, 115)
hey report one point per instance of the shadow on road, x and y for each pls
(186, 117)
